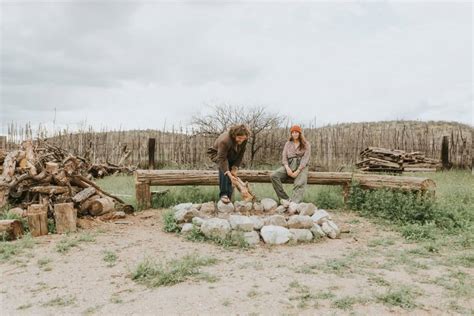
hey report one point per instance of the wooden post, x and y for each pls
(445, 152)
(3, 143)
(151, 153)
(38, 219)
(65, 216)
(472, 151)
(143, 195)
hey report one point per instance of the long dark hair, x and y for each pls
(302, 140)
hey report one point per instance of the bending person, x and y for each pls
(227, 152)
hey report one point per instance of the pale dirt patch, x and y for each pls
(265, 280)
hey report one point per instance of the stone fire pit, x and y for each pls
(265, 220)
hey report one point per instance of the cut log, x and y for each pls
(18, 211)
(207, 177)
(52, 167)
(65, 216)
(244, 189)
(101, 206)
(10, 229)
(84, 195)
(49, 189)
(37, 219)
(9, 165)
(85, 206)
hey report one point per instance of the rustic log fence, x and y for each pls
(333, 147)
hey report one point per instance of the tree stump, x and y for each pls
(101, 206)
(37, 219)
(11, 229)
(65, 216)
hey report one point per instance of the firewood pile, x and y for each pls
(374, 159)
(44, 181)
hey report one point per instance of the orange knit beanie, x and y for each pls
(295, 128)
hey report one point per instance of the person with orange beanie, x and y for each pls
(295, 159)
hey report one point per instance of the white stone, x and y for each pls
(197, 221)
(187, 228)
(331, 229)
(275, 235)
(225, 207)
(182, 206)
(252, 238)
(320, 216)
(185, 215)
(300, 222)
(317, 231)
(197, 206)
(306, 209)
(257, 222)
(208, 208)
(285, 203)
(239, 222)
(215, 227)
(269, 204)
(302, 234)
(276, 220)
(243, 206)
(280, 209)
(292, 208)
(258, 207)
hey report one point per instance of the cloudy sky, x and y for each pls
(143, 64)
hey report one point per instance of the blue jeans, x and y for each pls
(225, 185)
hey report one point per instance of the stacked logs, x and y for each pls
(375, 159)
(44, 181)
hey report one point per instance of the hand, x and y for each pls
(296, 173)
(288, 171)
(234, 171)
(230, 175)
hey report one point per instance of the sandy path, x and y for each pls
(264, 280)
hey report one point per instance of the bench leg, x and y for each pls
(143, 195)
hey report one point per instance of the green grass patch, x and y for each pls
(110, 257)
(153, 274)
(9, 249)
(169, 222)
(403, 297)
(71, 241)
(60, 301)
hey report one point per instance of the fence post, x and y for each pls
(3, 143)
(472, 151)
(151, 153)
(445, 153)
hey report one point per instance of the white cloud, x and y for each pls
(137, 65)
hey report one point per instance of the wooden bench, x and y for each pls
(146, 178)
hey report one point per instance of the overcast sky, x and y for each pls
(138, 64)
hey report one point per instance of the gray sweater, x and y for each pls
(289, 151)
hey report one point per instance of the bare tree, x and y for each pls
(223, 116)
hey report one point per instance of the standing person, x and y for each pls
(227, 152)
(295, 158)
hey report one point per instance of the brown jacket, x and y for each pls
(224, 150)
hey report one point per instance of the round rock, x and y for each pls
(275, 235)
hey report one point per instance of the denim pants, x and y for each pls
(225, 185)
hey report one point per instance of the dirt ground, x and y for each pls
(368, 271)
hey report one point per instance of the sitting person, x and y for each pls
(227, 152)
(295, 158)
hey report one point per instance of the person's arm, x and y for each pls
(305, 159)
(222, 160)
(284, 156)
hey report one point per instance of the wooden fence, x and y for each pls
(333, 146)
